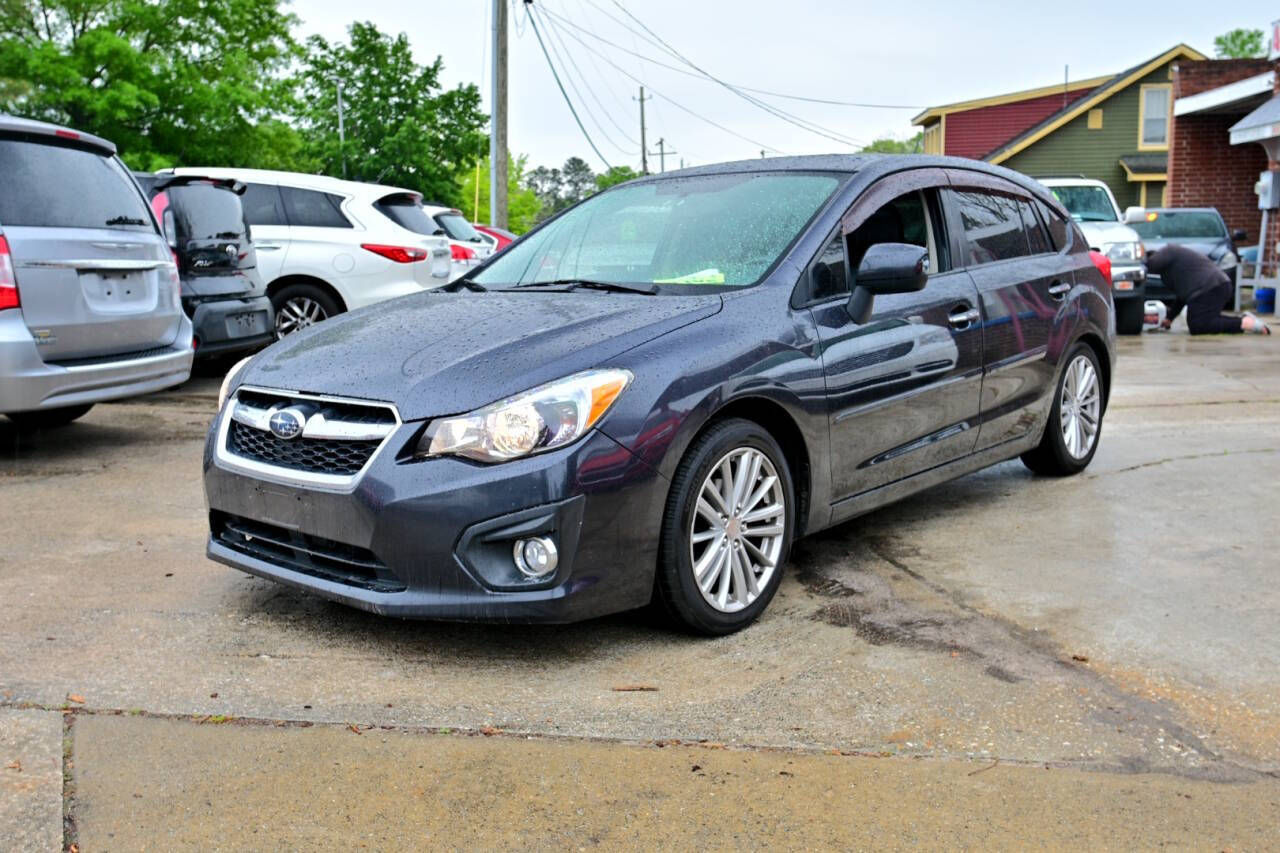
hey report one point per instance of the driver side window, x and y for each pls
(911, 218)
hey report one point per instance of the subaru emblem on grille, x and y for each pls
(287, 423)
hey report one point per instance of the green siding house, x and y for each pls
(1115, 129)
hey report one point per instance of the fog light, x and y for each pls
(536, 557)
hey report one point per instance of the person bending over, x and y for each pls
(1203, 289)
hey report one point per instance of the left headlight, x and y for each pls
(228, 379)
(1124, 251)
(535, 421)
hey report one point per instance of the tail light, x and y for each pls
(1103, 263)
(175, 278)
(461, 253)
(399, 254)
(8, 280)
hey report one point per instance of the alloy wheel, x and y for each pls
(1080, 407)
(297, 313)
(736, 533)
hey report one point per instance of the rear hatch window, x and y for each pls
(407, 212)
(212, 235)
(59, 186)
(457, 227)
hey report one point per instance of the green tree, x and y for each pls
(171, 82)
(890, 145)
(615, 176)
(401, 127)
(1240, 44)
(563, 187)
(522, 203)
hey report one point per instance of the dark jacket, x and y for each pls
(1187, 273)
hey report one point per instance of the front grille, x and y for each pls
(318, 455)
(310, 555)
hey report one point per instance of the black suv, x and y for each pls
(222, 292)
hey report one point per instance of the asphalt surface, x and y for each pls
(1101, 651)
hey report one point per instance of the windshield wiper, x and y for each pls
(592, 284)
(125, 220)
(463, 283)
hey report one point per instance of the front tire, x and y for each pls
(1075, 421)
(1129, 316)
(727, 529)
(48, 418)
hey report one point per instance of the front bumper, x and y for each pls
(424, 534)
(232, 325)
(27, 383)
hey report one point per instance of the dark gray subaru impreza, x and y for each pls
(652, 395)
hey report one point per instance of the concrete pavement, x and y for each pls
(1122, 622)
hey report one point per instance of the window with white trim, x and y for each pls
(1153, 128)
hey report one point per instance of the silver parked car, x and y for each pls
(89, 293)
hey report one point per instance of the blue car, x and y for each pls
(650, 397)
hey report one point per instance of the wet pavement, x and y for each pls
(1118, 628)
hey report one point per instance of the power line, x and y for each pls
(565, 94)
(672, 101)
(790, 118)
(770, 93)
(561, 53)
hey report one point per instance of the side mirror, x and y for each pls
(887, 268)
(1239, 235)
(1135, 215)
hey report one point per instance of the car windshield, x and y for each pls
(1086, 204)
(406, 211)
(703, 230)
(59, 186)
(458, 228)
(1176, 225)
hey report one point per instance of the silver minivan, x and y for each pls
(89, 293)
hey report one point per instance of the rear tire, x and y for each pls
(299, 306)
(740, 542)
(1067, 446)
(48, 418)
(1129, 316)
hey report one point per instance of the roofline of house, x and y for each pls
(1012, 97)
(1259, 84)
(1080, 107)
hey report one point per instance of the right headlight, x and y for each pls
(1228, 260)
(1123, 251)
(544, 418)
(228, 379)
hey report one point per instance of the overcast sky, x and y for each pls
(920, 53)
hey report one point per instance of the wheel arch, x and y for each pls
(287, 280)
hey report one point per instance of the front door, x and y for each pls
(903, 389)
(264, 211)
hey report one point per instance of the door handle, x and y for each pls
(1059, 290)
(962, 319)
(266, 247)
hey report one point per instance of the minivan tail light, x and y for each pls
(399, 254)
(8, 280)
(461, 253)
(1103, 263)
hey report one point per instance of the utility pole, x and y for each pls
(342, 134)
(498, 120)
(644, 150)
(662, 155)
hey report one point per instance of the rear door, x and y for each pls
(94, 276)
(1022, 284)
(320, 234)
(264, 211)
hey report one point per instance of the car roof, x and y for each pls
(301, 180)
(1072, 182)
(14, 124)
(1212, 210)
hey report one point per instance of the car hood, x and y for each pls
(1209, 248)
(1099, 233)
(437, 354)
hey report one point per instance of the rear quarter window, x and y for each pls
(59, 186)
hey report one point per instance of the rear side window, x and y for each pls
(1036, 236)
(309, 208)
(992, 226)
(263, 205)
(56, 186)
(206, 212)
(405, 211)
(1059, 230)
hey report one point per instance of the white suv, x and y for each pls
(469, 246)
(326, 246)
